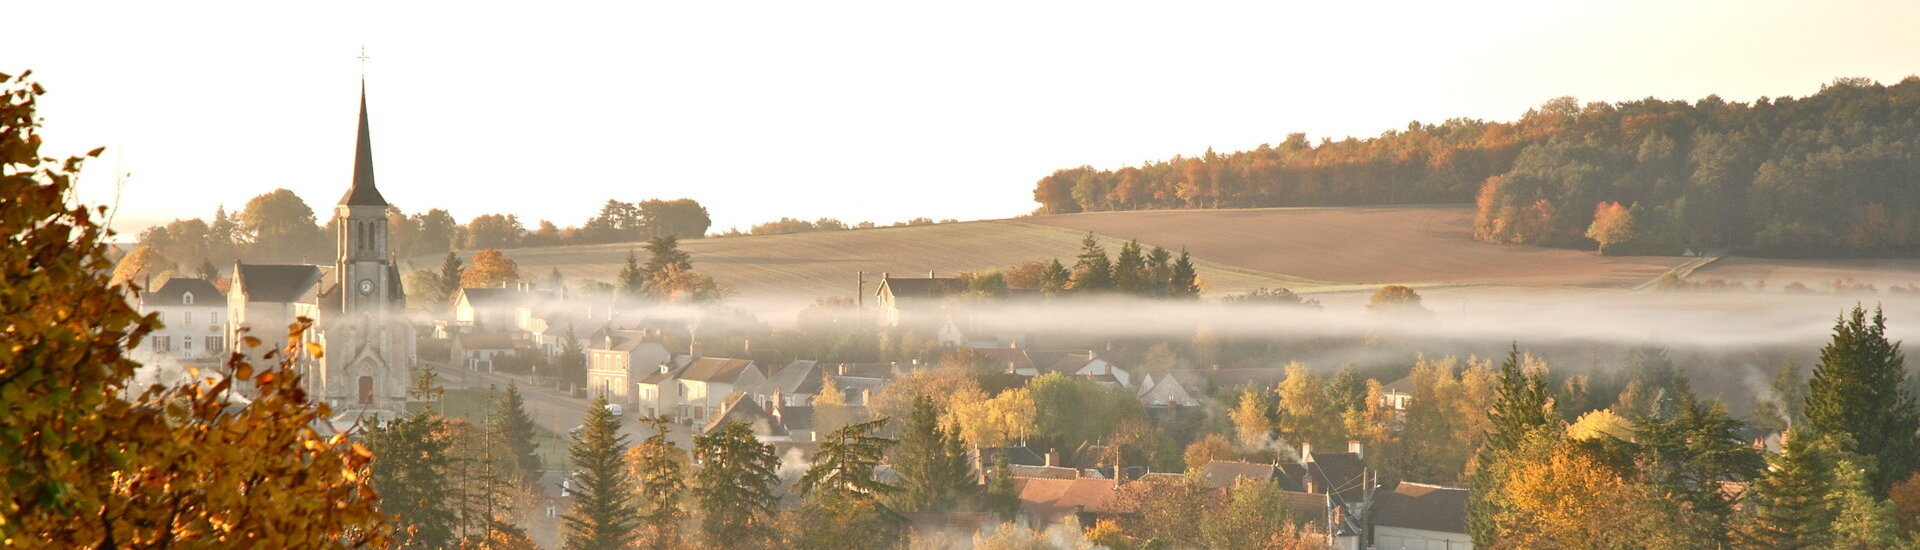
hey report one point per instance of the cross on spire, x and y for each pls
(363, 60)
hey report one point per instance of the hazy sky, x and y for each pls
(881, 111)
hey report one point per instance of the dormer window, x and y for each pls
(187, 298)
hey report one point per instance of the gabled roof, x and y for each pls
(737, 408)
(1404, 385)
(174, 291)
(791, 377)
(1021, 456)
(796, 418)
(656, 378)
(1050, 472)
(1342, 475)
(1052, 499)
(1422, 506)
(1003, 357)
(277, 283)
(918, 287)
(363, 192)
(716, 369)
(1221, 474)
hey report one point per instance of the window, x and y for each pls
(187, 298)
(214, 318)
(186, 343)
(188, 318)
(215, 343)
(160, 343)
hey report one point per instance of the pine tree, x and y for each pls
(1053, 278)
(1690, 454)
(509, 418)
(572, 363)
(633, 281)
(733, 489)
(1521, 408)
(1790, 507)
(603, 515)
(1159, 271)
(666, 257)
(842, 501)
(1130, 269)
(410, 473)
(1093, 272)
(1184, 282)
(1857, 390)
(931, 461)
(1003, 498)
(451, 271)
(662, 484)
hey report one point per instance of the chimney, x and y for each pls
(929, 274)
(746, 347)
(693, 349)
(1053, 457)
(1353, 446)
(843, 369)
(1306, 454)
(1310, 484)
(777, 403)
(665, 367)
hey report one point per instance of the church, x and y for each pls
(357, 304)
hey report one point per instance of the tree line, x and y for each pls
(1829, 174)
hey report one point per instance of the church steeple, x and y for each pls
(363, 193)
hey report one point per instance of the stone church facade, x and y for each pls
(357, 304)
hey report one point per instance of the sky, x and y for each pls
(879, 111)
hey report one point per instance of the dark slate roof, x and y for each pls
(1339, 474)
(655, 377)
(277, 283)
(172, 293)
(796, 418)
(737, 408)
(1423, 506)
(363, 193)
(1221, 474)
(1050, 472)
(920, 287)
(791, 377)
(1403, 385)
(1003, 357)
(716, 369)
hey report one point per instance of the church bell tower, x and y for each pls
(360, 220)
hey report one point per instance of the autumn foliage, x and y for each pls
(86, 460)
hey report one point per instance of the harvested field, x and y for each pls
(1407, 245)
(806, 266)
(1815, 274)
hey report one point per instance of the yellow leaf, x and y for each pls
(313, 348)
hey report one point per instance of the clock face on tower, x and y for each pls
(366, 287)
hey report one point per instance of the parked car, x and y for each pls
(615, 409)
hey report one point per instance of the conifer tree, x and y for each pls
(1093, 271)
(509, 418)
(410, 473)
(662, 484)
(665, 258)
(1003, 498)
(451, 272)
(1159, 271)
(1858, 391)
(1054, 278)
(572, 365)
(734, 488)
(1790, 508)
(1184, 282)
(1690, 454)
(843, 503)
(603, 515)
(1521, 408)
(633, 281)
(931, 461)
(1130, 269)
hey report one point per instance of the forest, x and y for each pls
(1831, 174)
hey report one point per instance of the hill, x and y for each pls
(1310, 250)
(806, 266)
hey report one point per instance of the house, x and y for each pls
(658, 392)
(1418, 516)
(193, 313)
(769, 424)
(914, 300)
(619, 357)
(1013, 359)
(496, 309)
(478, 350)
(1320, 512)
(1087, 363)
(795, 383)
(709, 380)
(1167, 390)
(1398, 394)
(1046, 501)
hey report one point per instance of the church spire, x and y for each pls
(363, 193)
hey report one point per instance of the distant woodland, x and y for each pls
(1833, 174)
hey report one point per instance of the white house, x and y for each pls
(709, 380)
(496, 309)
(1418, 516)
(193, 312)
(658, 391)
(619, 357)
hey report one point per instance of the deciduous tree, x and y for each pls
(490, 269)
